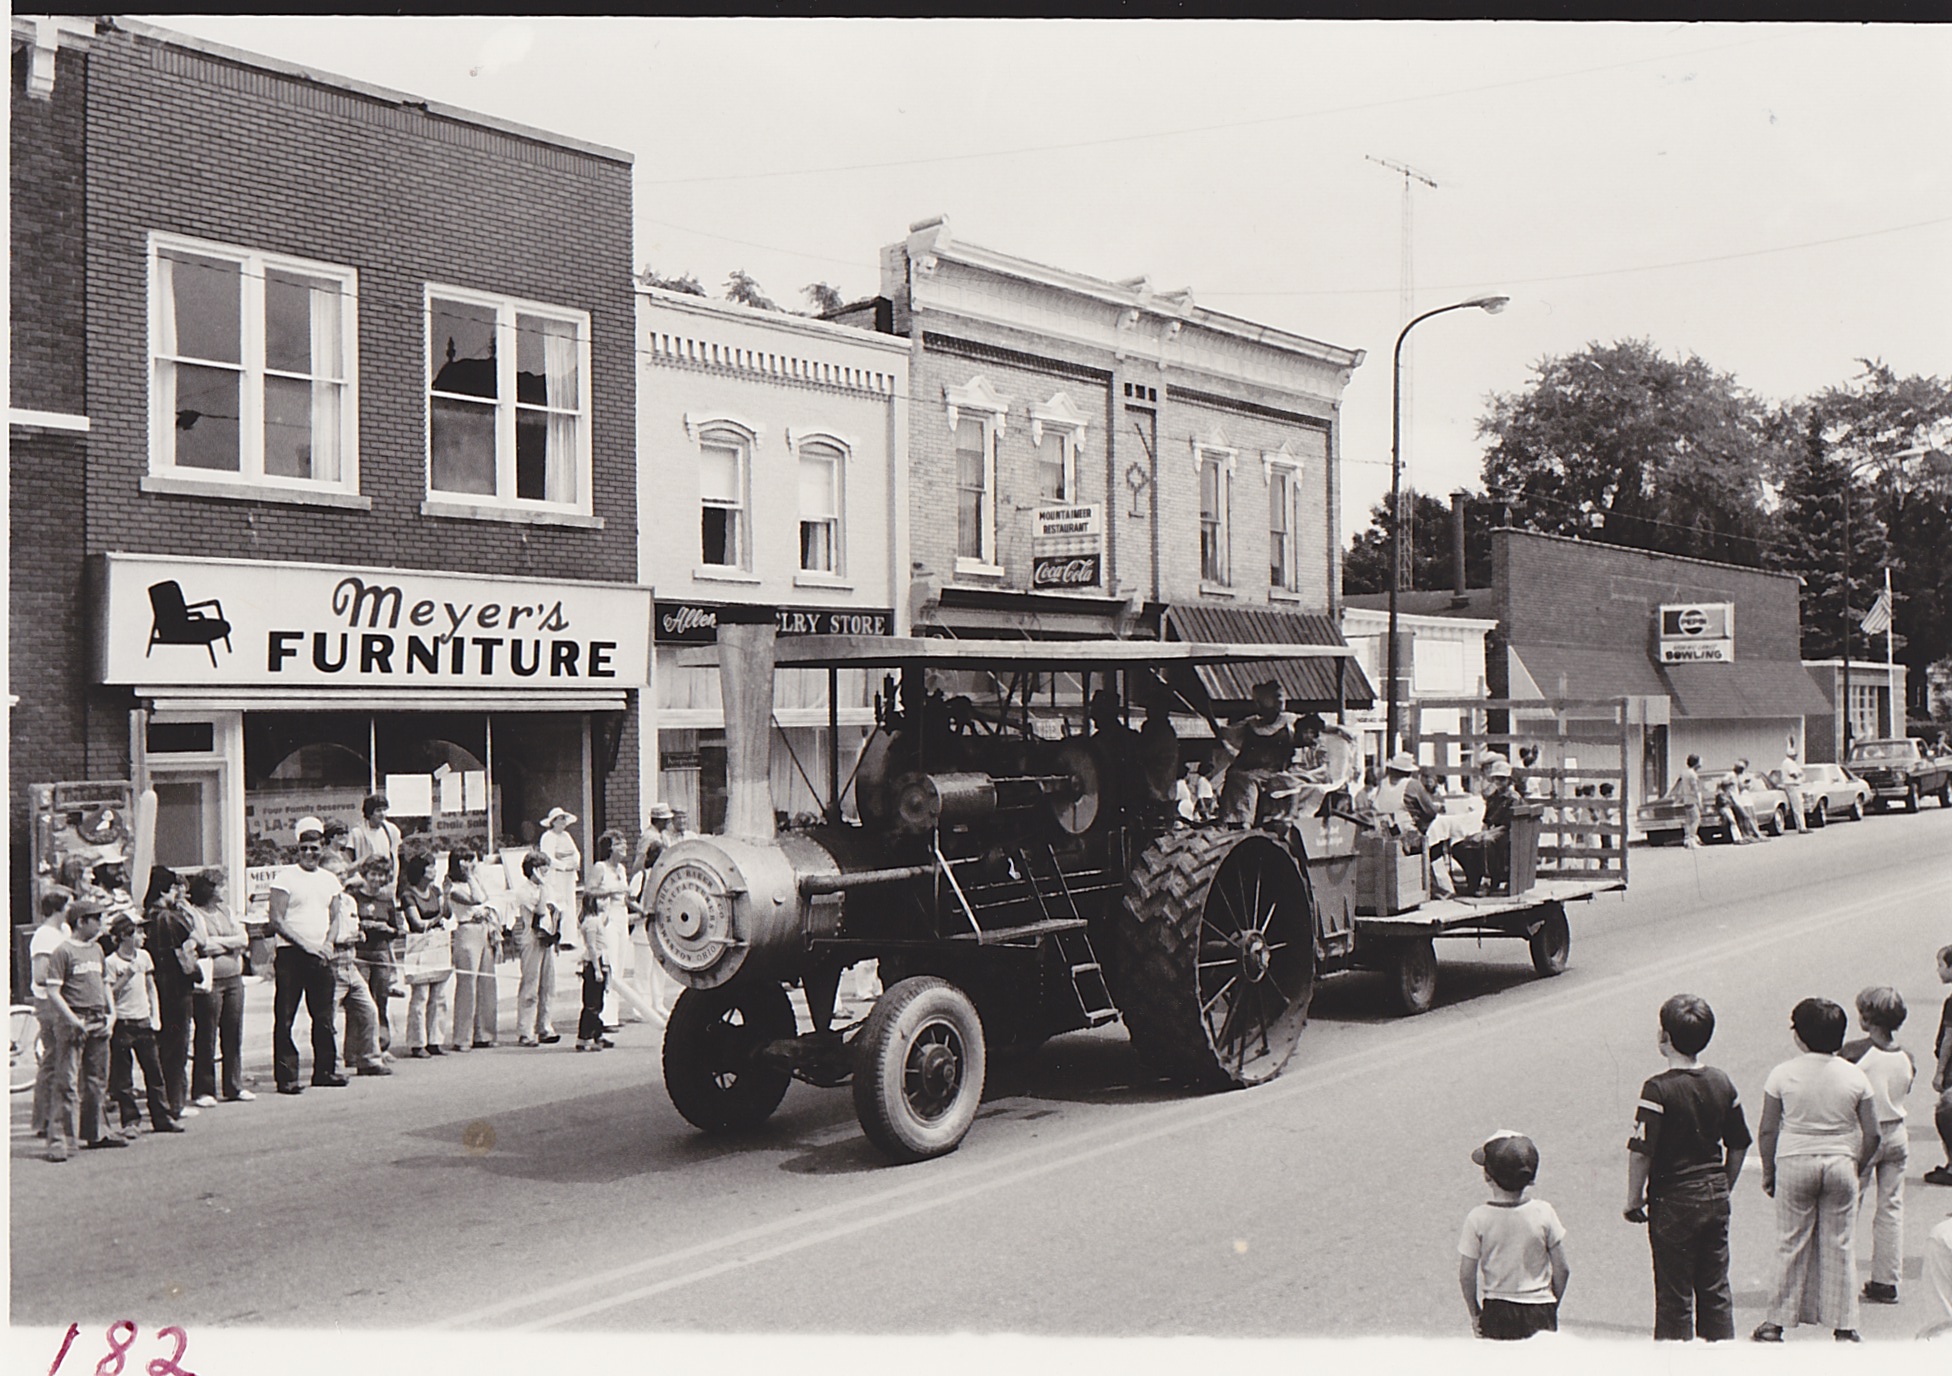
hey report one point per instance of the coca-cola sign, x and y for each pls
(1066, 572)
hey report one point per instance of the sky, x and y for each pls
(1775, 198)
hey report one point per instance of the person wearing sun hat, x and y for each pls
(1512, 1264)
(560, 885)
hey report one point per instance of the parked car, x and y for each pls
(1902, 771)
(1830, 790)
(1664, 820)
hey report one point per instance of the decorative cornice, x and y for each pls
(696, 424)
(976, 395)
(1060, 413)
(795, 439)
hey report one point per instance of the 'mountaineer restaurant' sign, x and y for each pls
(696, 623)
(1697, 633)
(1067, 546)
(243, 622)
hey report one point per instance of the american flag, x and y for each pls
(1878, 619)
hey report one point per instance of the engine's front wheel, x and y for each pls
(712, 1069)
(919, 1078)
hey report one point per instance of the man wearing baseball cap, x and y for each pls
(301, 918)
(1486, 856)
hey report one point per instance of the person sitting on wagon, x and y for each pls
(1402, 802)
(1487, 853)
(1263, 746)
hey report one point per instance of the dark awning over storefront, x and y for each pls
(1320, 684)
(1579, 671)
(1756, 688)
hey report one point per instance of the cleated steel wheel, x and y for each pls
(711, 1068)
(919, 1078)
(1215, 957)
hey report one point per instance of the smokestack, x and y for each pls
(745, 681)
(1457, 598)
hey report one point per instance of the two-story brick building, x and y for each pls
(323, 435)
(1091, 457)
(773, 458)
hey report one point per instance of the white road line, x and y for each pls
(1130, 1130)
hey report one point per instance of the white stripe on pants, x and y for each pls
(1816, 1220)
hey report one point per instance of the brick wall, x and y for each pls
(187, 144)
(46, 366)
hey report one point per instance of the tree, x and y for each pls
(1619, 444)
(822, 297)
(1365, 568)
(741, 288)
(688, 284)
(1811, 504)
(1892, 433)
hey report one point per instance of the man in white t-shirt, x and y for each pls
(301, 919)
(49, 937)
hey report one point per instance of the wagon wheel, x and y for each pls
(919, 1078)
(1413, 974)
(1215, 957)
(1551, 941)
(711, 1069)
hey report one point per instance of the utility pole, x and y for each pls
(1406, 307)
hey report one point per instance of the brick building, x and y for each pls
(1099, 458)
(322, 445)
(777, 450)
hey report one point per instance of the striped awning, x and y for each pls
(1316, 684)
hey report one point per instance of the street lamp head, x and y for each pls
(1491, 305)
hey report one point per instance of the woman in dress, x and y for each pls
(170, 936)
(565, 861)
(610, 890)
(421, 906)
(475, 921)
(1817, 1138)
(217, 1011)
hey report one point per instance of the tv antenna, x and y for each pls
(1406, 306)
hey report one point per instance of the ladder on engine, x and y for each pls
(1054, 900)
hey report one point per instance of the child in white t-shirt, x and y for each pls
(1891, 1071)
(131, 978)
(1512, 1263)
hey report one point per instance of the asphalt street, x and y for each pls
(544, 1190)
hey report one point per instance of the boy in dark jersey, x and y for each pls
(1942, 1076)
(1689, 1140)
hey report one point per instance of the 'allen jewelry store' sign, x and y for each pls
(237, 622)
(1067, 548)
(696, 623)
(1698, 633)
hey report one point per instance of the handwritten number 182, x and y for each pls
(120, 1341)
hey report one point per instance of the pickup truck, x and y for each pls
(1902, 771)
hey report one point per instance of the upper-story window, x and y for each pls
(1216, 481)
(724, 499)
(254, 360)
(1057, 430)
(1281, 524)
(821, 472)
(976, 418)
(508, 402)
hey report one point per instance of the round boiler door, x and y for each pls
(691, 917)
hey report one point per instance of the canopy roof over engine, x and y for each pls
(894, 651)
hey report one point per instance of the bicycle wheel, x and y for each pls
(23, 1047)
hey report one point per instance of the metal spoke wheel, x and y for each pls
(1413, 974)
(919, 1079)
(1551, 941)
(1215, 957)
(23, 1047)
(711, 1068)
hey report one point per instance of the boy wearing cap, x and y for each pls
(1690, 1136)
(131, 975)
(1512, 1264)
(78, 995)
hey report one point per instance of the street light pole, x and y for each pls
(1490, 305)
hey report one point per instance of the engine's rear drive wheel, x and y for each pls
(1215, 957)
(711, 1068)
(919, 1079)
(1551, 942)
(1413, 974)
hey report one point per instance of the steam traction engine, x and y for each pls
(1012, 888)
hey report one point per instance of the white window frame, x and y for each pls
(977, 400)
(727, 433)
(842, 453)
(1285, 471)
(1059, 420)
(251, 479)
(505, 406)
(1224, 460)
